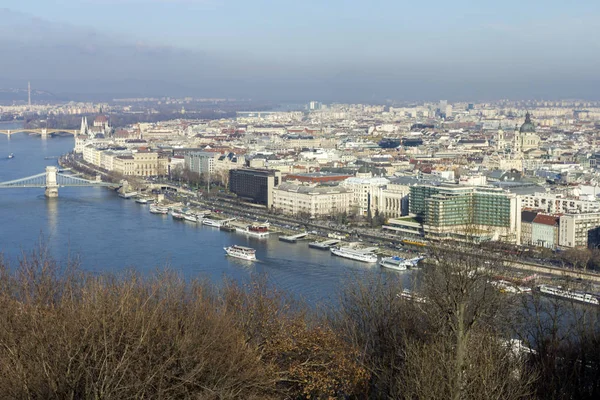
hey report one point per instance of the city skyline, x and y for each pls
(333, 51)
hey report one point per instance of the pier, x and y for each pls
(324, 245)
(293, 238)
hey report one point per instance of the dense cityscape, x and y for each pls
(299, 200)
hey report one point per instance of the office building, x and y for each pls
(254, 185)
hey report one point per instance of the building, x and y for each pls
(558, 203)
(201, 162)
(579, 230)
(254, 185)
(313, 201)
(465, 213)
(365, 191)
(525, 139)
(317, 178)
(545, 230)
(527, 217)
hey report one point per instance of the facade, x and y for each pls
(315, 201)
(365, 191)
(544, 231)
(255, 185)
(466, 213)
(579, 230)
(200, 162)
(525, 139)
(557, 203)
(527, 217)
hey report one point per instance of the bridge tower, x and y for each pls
(51, 183)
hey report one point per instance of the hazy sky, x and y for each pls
(330, 49)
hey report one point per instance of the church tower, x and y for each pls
(500, 144)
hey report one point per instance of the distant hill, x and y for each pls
(10, 95)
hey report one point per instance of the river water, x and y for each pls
(108, 233)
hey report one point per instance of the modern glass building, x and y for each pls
(465, 212)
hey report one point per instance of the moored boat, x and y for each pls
(396, 263)
(568, 294)
(190, 217)
(142, 200)
(154, 209)
(212, 222)
(244, 253)
(364, 255)
(177, 215)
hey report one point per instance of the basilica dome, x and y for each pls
(527, 125)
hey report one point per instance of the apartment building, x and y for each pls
(579, 230)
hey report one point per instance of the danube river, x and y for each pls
(108, 233)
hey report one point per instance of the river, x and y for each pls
(110, 234)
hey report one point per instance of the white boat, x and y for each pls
(190, 217)
(568, 294)
(11, 155)
(364, 255)
(158, 209)
(509, 287)
(212, 222)
(177, 215)
(397, 263)
(245, 253)
(409, 295)
(142, 200)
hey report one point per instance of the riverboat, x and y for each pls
(244, 253)
(212, 222)
(364, 255)
(397, 263)
(568, 294)
(154, 209)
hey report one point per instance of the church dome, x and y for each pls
(527, 125)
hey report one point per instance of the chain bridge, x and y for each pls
(43, 132)
(53, 179)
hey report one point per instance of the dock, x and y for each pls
(324, 245)
(293, 238)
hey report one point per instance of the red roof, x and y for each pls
(545, 219)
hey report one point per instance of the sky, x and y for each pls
(329, 50)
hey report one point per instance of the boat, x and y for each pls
(408, 294)
(509, 287)
(397, 263)
(142, 200)
(177, 215)
(568, 294)
(227, 228)
(364, 255)
(190, 217)
(127, 195)
(11, 155)
(154, 209)
(255, 230)
(212, 222)
(245, 253)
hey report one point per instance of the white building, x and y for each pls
(365, 191)
(316, 201)
(579, 230)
